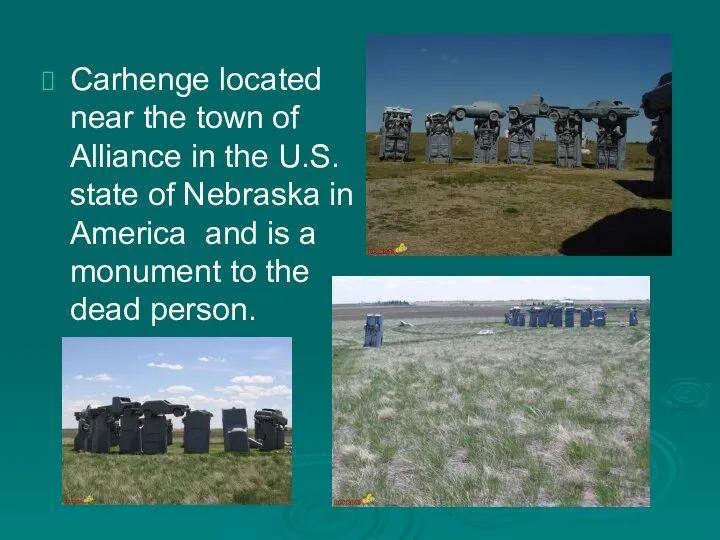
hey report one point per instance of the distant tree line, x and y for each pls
(388, 303)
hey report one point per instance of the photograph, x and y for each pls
(176, 421)
(491, 391)
(525, 144)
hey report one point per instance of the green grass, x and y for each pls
(440, 416)
(177, 478)
(462, 209)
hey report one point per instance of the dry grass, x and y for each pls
(177, 478)
(466, 209)
(440, 416)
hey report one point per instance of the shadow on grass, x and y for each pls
(635, 231)
(642, 188)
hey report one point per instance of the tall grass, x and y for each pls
(177, 478)
(440, 416)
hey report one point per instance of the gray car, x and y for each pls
(612, 109)
(271, 415)
(479, 109)
(535, 106)
(121, 404)
(163, 406)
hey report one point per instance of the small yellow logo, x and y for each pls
(402, 248)
(88, 499)
(368, 499)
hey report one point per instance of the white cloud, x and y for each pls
(200, 399)
(229, 389)
(74, 405)
(276, 391)
(450, 59)
(179, 389)
(211, 359)
(165, 366)
(253, 392)
(161, 354)
(99, 377)
(260, 379)
(161, 390)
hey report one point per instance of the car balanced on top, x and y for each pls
(163, 406)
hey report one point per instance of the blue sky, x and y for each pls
(429, 73)
(205, 373)
(348, 289)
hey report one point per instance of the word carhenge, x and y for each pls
(183, 85)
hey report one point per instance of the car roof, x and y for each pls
(488, 105)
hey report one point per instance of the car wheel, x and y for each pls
(612, 116)
(513, 114)
(578, 117)
(178, 412)
(650, 113)
(460, 114)
(544, 108)
(494, 116)
(86, 427)
(554, 116)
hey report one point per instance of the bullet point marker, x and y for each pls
(48, 80)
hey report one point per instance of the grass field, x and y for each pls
(466, 209)
(440, 416)
(178, 478)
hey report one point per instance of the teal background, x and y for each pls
(38, 221)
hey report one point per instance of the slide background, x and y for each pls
(38, 221)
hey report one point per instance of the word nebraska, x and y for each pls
(258, 196)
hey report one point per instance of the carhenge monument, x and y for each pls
(611, 116)
(395, 134)
(521, 129)
(373, 331)
(657, 105)
(487, 115)
(438, 138)
(568, 131)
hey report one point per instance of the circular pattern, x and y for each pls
(489, 519)
(687, 393)
(312, 515)
(666, 466)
